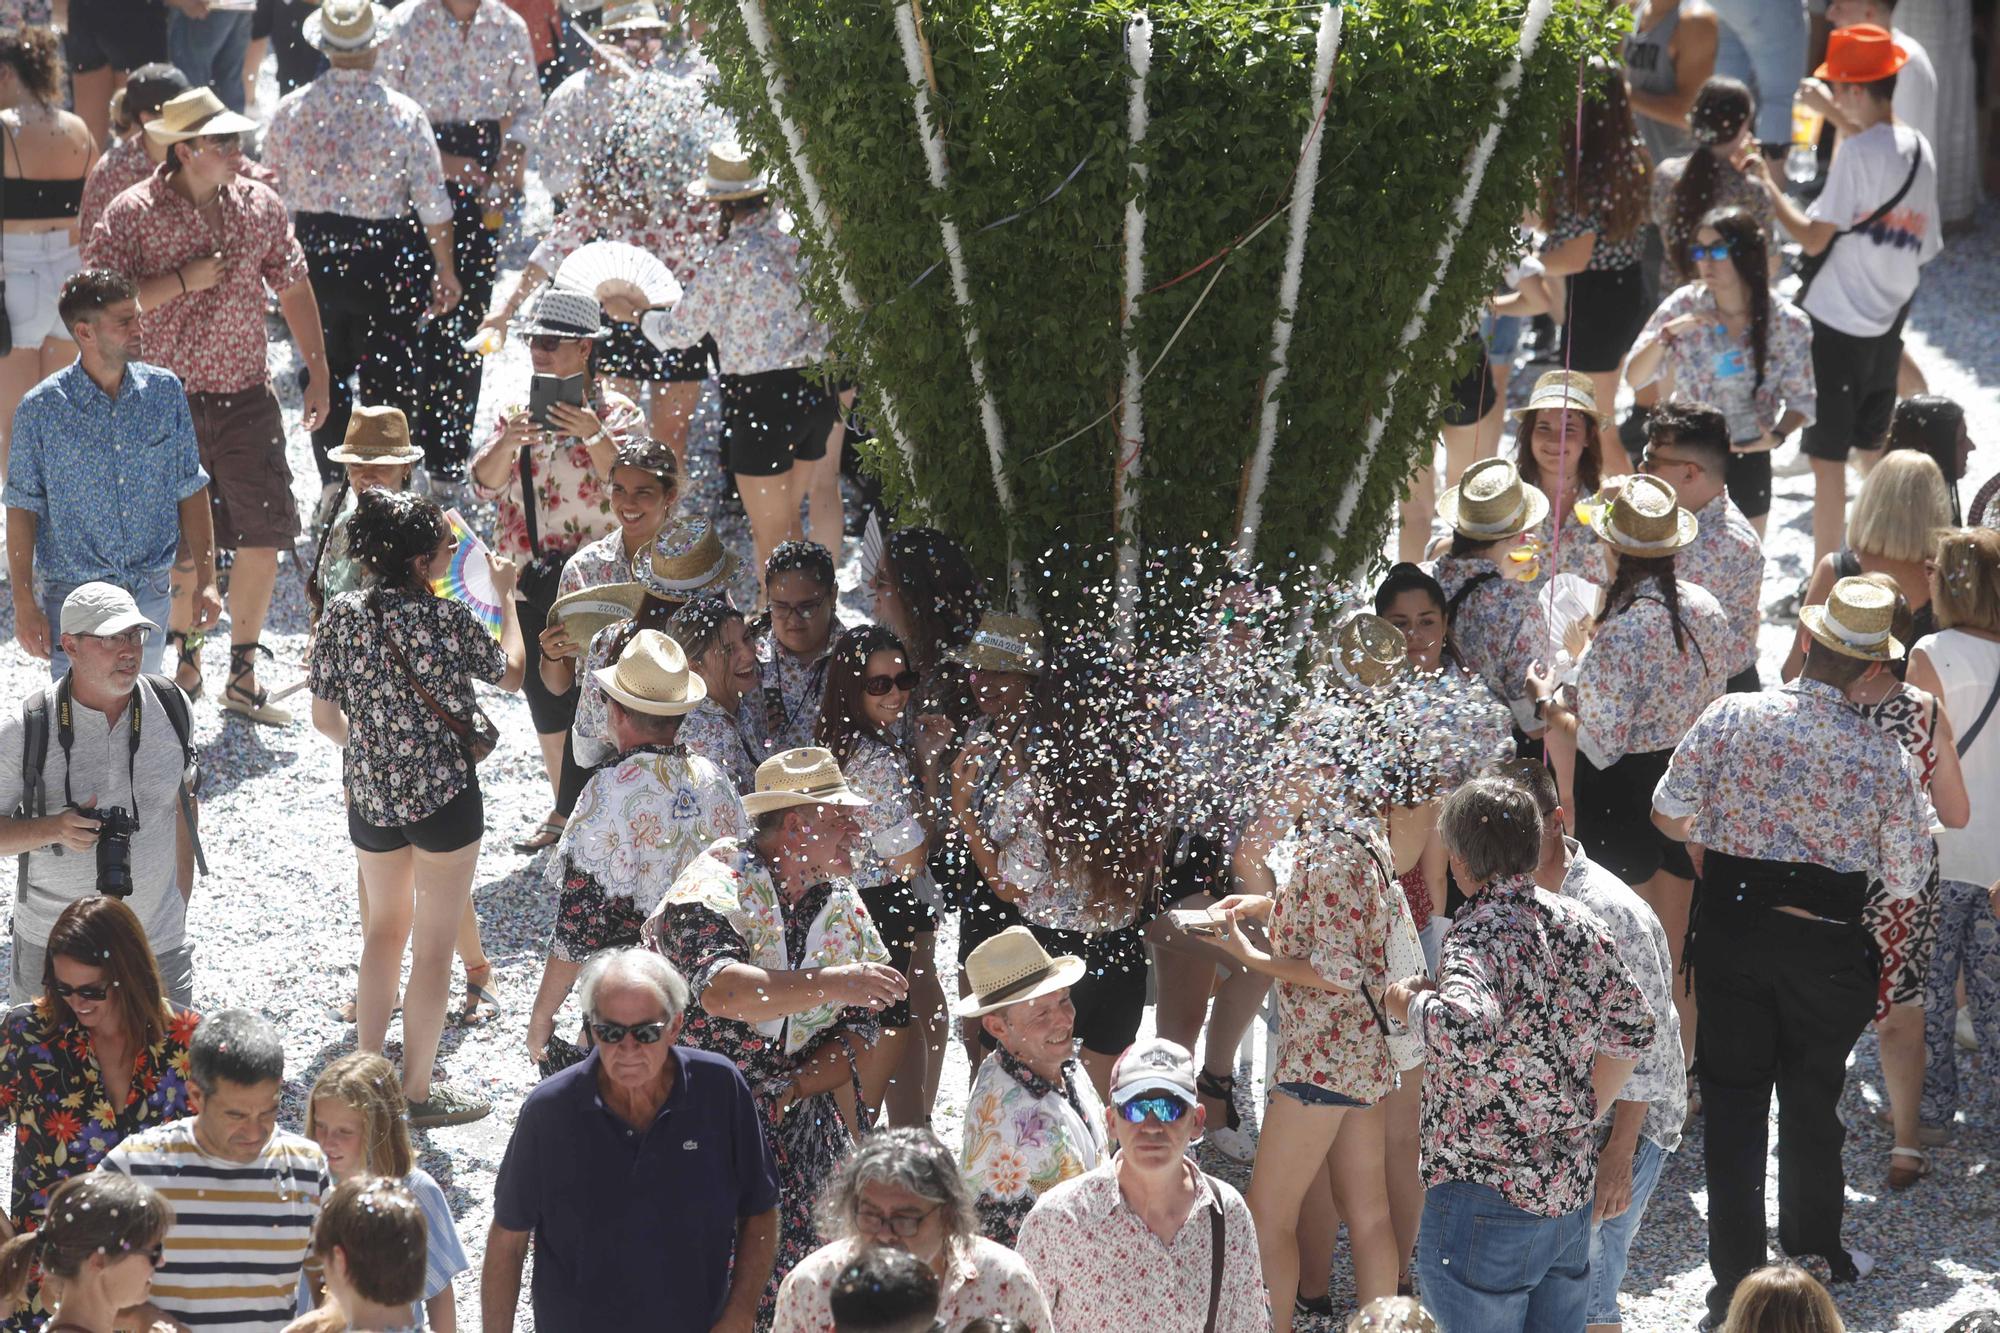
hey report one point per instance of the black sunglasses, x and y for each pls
(549, 342)
(610, 1034)
(902, 680)
(94, 994)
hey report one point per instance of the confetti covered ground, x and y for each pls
(275, 925)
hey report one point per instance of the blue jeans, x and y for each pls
(154, 595)
(210, 51)
(1611, 1239)
(1771, 58)
(1486, 1266)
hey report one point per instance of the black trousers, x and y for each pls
(372, 280)
(449, 373)
(1782, 1001)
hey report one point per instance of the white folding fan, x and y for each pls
(607, 269)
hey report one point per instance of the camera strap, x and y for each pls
(66, 737)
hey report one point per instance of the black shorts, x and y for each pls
(1614, 818)
(1857, 390)
(1110, 998)
(460, 823)
(1607, 308)
(901, 916)
(1749, 482)
(627, 354)
(774, 419)
(1473, 394)
(119, 34)
(550, 712)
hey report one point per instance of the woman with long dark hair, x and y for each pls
(1562, 441)
(1728, 340)
(1722, 122)
(711, 632)
(1933, 424)
(925, 590)
(869, 683)
(101, 1247)
(391, 674)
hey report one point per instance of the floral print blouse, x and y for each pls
(1054, 898)
(1499, 627)
(642, 820)
(53, 1091)
(1799, 774)
(1636, 691)
(719, 737)
(1709, 366)
(1727, 558)
(982, 1280)
(793, 689)
(1578, 552)
(1606, 254)
(890, 827)
(746, 295)
(572, 503)
(1024, 1135)
(597, 563)
(402, 763)
(1531, 990)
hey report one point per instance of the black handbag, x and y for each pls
(477, 733)
(1808, 266)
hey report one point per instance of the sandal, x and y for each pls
(187, 649)
(1227, 1136)
(547, 834)
(1901, 1177)
(253, 704)
(482, 1004)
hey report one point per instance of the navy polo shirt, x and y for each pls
(636, 1228)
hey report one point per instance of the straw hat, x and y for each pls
(632, 14)
(1490, 501)
(808, 775)
(1855, 621)
(1003, 643)
(687, 560)
(1645, 520)
(565, 313)
(729, 175)
(588, 610)
(1368, 651)
(1565, 389)
(652, 676)
(376, 435)
(195, 113)
(346, 27)
(1013, 968)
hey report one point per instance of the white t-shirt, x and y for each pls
(1916, 101)
(1872, 274)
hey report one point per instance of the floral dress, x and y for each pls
(1905, 929)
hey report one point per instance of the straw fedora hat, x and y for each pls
(1645, 520)
(1003, 643)
(652, 676)
(632, 14)
(588, 610)
(688, 559)
(195, 113)
(1368, 651)
(1013, 968)
(728, 175)
(346, 27)
(376, 435)
(1855, 621)
(1565, 390)
(809, 775)
(1491, 502)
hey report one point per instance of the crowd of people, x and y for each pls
(1526, 872)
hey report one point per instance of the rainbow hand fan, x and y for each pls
(468, 580)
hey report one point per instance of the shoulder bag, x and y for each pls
(1808, 266)
(541, 581)
(1971, 733)
(478, 734)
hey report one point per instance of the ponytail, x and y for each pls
(17, 1264)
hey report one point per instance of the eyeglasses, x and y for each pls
(881, 685)
(800, 611)
(94, 994)
(549, 342)
(1714, 253)
(1166, 1110)
(646, 1034)
(1249, 619)
(904, 1225)
(1652, 462)
(131, 638)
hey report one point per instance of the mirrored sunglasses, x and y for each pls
(1166, 1110)
(1712, 253)
(610, 1034)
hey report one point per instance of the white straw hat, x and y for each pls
(652, 676)
(808, 775)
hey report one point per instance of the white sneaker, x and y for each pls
(1231, 1143)
(1962, 1031)
(1864, 1263)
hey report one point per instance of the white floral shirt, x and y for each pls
(462, 75)
(889, 827)
(720, 738)
(347, 143)
(1709, 366)
(1636, 691)
(1727, 558)
(1499, 627)
(574, 128)
(598, 563)
(1054, 898)
(642, 820)
(747, 295)
(982, 1280)
(793, 689)
(1099, 1263)
(1025, 1135)
(1578, 552)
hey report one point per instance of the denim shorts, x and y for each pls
(1611, 1239)
(1311, 1094)
(37, 264)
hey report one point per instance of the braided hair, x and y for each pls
(1721, 109)
(389, 530)
(1634, 574)
(1749, 255)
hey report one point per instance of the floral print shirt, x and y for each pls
(572, 503)
(1636, 691)
(793, 689)
(1024, 1135)
(642, 820)
(1606, 254)
(53, 1091)
(1499, 627)
(462, 74)
(1099, 1262)
(213, 339)
(1054, 898)
(575, 126)
(1799, 774)
(402, 763)
(1578, 552)
(598, 563)
(718, 736)
(123, 165)
(349, 144)
(1727, 558)
(982, 1280)
(746, 295)
(890, 827)
(1531, 991)
(1659, 1079)
(1709, 366)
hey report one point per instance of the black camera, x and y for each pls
(114, 850)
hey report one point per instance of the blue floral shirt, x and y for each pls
(104, 477)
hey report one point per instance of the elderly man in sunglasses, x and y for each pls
(641, 1174)
(1147, 1229)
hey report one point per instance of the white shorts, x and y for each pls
(37, 265)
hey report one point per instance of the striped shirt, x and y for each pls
(242, 1230)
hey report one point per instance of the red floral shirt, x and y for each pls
(572, 503)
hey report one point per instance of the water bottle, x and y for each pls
(1802, 161)
(484, 343)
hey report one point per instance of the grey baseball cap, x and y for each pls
(101, 608)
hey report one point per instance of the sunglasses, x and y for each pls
(1651, 462)
(904, 1225)
(157, 1255)
(610, 1034)
(131, 638)
(219, 143)
(1166, 1110)
(1713, 253)
(881, 685)
(94, 994)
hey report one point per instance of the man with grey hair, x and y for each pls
(245, 1193)
(1530, 1032)
(641, 1174)
(901, 1189)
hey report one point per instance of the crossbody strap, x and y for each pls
(1916, 164)
(1971, 733)
(1217, 1234)
(458, 728)
(1466, 589)
(530, 503)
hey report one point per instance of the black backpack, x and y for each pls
(35, 750)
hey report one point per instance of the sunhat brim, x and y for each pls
(1064, 971)
(652, 583)
(763, 802)
(315, 37)
(1533, 512)
(721, 192)
(224, 122)
(1899, 56)
(1686, 528)
(532, 328)
(1815, 621)
(632, 25)
(1562, 402)
(697, 690)
(408, 454)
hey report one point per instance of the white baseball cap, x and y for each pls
(1154, 1064)
(101, 608)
